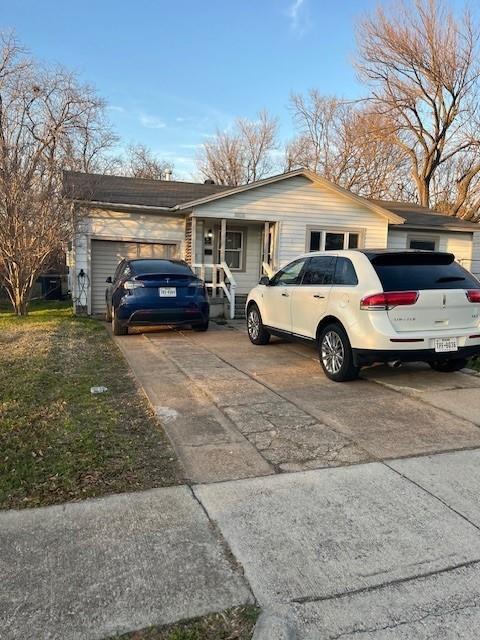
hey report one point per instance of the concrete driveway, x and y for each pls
(234, 410)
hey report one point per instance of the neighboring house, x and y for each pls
(231, 236)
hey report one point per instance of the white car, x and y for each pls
(365, 306)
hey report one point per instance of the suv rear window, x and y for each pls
(417, 271)
(176, 267)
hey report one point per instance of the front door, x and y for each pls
(278, 296)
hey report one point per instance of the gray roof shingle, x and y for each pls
(418, 216)
(134, 191)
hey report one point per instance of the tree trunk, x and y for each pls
(21, 309)
(423, 190)
(19, 300)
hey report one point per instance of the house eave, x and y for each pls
(418, 227)
(123, 206)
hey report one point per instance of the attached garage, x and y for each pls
(106, 254)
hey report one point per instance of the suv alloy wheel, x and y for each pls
(256, 331)
(336, 355)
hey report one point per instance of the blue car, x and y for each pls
(155, 292)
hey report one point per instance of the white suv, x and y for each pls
(366, 306)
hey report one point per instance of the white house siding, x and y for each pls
(458, 243)
(397, 239)
(476, 254)
(296, 204)
(121, 226)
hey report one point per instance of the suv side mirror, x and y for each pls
(265, 280)
(109, 280)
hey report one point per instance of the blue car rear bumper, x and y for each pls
(193, 313)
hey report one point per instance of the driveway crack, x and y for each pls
(402, 623)
(382, 585)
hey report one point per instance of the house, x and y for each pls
(230, 236)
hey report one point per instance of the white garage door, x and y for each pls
(106, 255)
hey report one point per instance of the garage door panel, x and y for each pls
(106, 255)
(157, 250)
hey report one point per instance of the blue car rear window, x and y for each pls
(160, 266)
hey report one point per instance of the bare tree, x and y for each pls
(258, 139)
(242, 155)
(421, 63)
(45, 118)
(89, 149)
(315, 117)
(335, 140)
(139, 161)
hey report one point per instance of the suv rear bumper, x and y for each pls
(362, 357)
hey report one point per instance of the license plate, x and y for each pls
(167, 292)
(446, 344)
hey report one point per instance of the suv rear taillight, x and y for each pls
(473, 295)
(388, 300)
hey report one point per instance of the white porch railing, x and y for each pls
(222, 281)
(267, 269)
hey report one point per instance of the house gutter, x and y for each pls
(422, 227)
(118, 205)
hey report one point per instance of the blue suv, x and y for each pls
(155, 292)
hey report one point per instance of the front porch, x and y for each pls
(230, 256)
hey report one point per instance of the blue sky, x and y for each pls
(172, 71)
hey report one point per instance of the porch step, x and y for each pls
(240, 301)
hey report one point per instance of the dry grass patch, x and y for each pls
(58, 442)
(234, 624)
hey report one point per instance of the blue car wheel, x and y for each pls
(118, 328)
(200, 327)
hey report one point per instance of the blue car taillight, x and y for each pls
(196, 288)
(129, 285)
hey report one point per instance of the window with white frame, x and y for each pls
(325, 240)
(234, 250)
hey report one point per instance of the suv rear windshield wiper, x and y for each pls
(450, 279)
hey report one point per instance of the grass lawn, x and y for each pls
(474, 363)
(234, 624)
(58, 442)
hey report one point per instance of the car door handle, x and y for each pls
(285, 294)
(317, 295)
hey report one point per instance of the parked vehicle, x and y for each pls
(150, 291)
(365, 306)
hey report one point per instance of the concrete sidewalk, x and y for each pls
(378, 551)
(91, 569)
